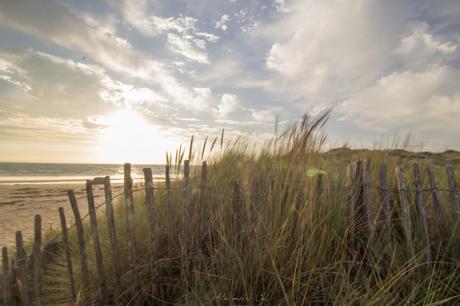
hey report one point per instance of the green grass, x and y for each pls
(281, 243)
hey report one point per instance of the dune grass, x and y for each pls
(270, 236)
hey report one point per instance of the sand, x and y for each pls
(20, 203)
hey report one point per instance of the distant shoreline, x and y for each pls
(12, 181)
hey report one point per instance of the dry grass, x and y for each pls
(269, 237)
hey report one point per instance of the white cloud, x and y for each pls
(95, 38)
(222, 23)
(281, 6)
(188, 47)
(70, 89)
(229, 103)
(420, 38)
(263, 115)
(327, 47)
(418, 48)
(181, 32)
(19, 126)
(425, 101)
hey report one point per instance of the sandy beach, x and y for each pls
(20, 203)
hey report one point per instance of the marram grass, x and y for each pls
(269, 237)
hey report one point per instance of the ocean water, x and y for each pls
(43, 173)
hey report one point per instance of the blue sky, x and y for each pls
(82, 79)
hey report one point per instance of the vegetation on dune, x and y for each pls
(272, 233)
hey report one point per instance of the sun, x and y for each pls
(128, 137)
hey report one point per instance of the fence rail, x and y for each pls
(22, 276)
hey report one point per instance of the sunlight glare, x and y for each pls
(128, 137)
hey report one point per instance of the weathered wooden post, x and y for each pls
(37, 261)
(150, 200)
(420, 203)
(385, 197)
(129, 203)
(406, 218)
(319, 190)
(170, 208)
(360, 222)
(6, 288)
(436, 195)
(351, 206)
(81, 239)
(21, 263)
(96, 241)
(186, 221)
(453, 190)
(169, 196)
(112, 233)
(65, 240)
(201, 203)
(367, 200)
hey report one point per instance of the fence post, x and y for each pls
(112, 233)
(37, 258)
(65, 240)
(201, 203)
(96, 241)
(6, 288)
(453, 190)
(129, 203)
(150, 200)
(436, 196)
(367, 202)
(406, 219)
(351, 207)
(385, 197)
(170, 208)
(81, 239)
(186, 199)
(318, 193)
(21, 262)
(420, 203)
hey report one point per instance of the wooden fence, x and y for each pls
(21, 278)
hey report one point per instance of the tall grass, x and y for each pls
(272, 235)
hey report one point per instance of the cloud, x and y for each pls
(327, 47)
(281, 6)
(69, 90)
(52, 86)
(382, 64)
(95, 38)
(186, 46)
(19, 126)
(222, 23)
(181, 32)
(229, 103)
(419, 48)
(425, 101)
(263, 115)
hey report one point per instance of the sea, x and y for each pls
(50, 173)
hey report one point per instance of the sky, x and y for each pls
(114, 81)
